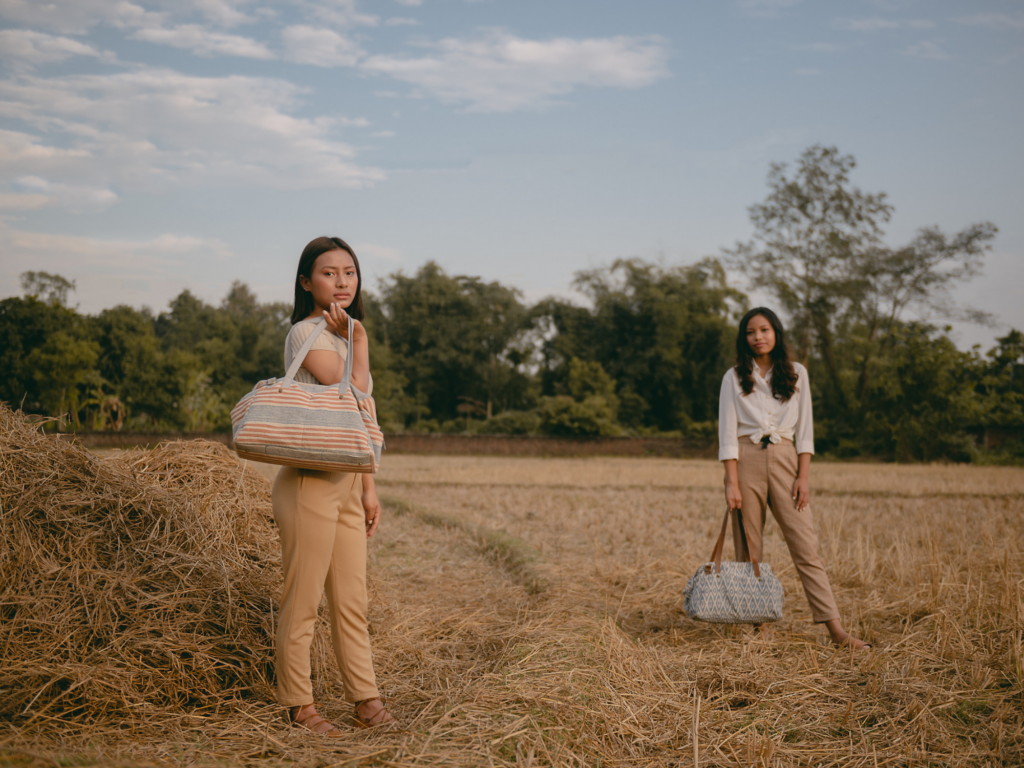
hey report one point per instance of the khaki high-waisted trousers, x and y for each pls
(766, 474)
(323, 548)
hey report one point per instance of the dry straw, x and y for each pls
(515, 624)
(129, 585)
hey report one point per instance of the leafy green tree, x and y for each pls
(589, 410)
(61, 369)
(133, 366)
(562, 416)
(1003, 381)
(53, 289)
(818, 251)
(663, 334)
(46, 357)
(450, 337)
(923, 397)
(812, 235)
(395, 407)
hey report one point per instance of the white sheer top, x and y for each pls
(760, 414)
(326, 340)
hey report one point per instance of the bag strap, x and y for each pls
(716, 554)
(300, 356)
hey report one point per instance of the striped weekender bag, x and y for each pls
(313, 426)
(733, 593)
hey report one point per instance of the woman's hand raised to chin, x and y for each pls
(337, 321)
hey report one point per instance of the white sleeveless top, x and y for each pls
(326, 340)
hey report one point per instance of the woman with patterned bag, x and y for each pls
(766, 439)
(325, 517)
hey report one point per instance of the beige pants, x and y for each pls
(323, 546)
(766, 477)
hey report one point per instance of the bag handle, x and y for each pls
(716, 554)
(300, 356)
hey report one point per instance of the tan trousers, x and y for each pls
(766, 477)
(323, 547)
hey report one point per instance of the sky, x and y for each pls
(148, 146)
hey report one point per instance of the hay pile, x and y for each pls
(131, 584)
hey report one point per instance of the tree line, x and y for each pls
(644, 356)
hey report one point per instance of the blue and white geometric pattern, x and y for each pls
(735, 596)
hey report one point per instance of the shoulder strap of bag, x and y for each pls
(300, 356)
(716, 554)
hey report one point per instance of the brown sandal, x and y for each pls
(312, 722)
(380, 717)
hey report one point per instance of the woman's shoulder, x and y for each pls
(799, 370)
(299, 332)
(326, 340)
(731, 376)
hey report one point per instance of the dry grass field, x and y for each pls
(528, 612)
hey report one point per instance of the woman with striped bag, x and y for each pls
(324, 515)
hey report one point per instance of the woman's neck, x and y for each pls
(764, 364)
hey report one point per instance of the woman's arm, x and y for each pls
(803, 440)
(802, 484)
(728, 440)
(733, 497)
(371, 506)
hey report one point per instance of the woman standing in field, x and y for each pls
(766, 439)
(325, 518)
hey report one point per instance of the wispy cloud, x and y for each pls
(877, 24)
(765, 7)
(820, 47)
(78, 198)
(401, 21)
(204, 42)
(12, 201)
(319, 47)
(152, 128)
(993, 20)
(31, 48)
(927, 49)
(499, 72)
(79, 16)
(338, 13)
(110, 271)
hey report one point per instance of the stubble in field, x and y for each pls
(529, 612)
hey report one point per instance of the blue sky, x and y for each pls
(152, 146)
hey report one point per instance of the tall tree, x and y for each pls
(450, 336)
(53, 289)
(818, 250)
(664, 334)
(810, 236)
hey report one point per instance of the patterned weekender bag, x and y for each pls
(733, 593)
(313, 426)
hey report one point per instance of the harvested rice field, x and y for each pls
(524, 612)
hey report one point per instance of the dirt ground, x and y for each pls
(528, 612)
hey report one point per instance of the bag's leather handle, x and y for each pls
(346, 376)
(716, 554)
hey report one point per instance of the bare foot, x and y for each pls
(843, 639)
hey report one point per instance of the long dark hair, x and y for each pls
(783, 375)
(304, 304)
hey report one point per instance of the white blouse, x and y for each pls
(326, 340)
(759, 414)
